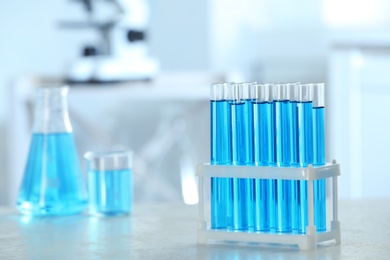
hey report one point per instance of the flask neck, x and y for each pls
(51, 110)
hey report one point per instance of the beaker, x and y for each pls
(53, 183)
(110, 182)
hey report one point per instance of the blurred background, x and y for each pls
(150, 90)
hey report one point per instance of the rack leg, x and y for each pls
(335, 226)
(335, 199)
(310, 202)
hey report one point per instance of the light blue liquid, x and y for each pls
(319, 160)
(294, 135)
(220, 128)
(52, 182)
(264, 146)
(242, 153)
(305, 133)
(283, 159)
(264, 152)
(283, 130)
(242, 132)
(305, 138)
(110, 191)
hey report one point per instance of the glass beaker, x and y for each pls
(53, 183)
(109, 182)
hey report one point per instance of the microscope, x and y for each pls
(120, 53)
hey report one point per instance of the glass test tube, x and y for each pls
(283, 155)
(273, 183)
(242, 154)
(220, 154)
(319, 154)
(264, 153)
(294, 139)
(248, 96)
(294, 97)
(305, 144)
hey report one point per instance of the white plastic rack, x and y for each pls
(304, 241)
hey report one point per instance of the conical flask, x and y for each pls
(53, 183)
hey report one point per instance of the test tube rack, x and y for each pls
(307, 241)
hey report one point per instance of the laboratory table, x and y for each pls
(168, 231)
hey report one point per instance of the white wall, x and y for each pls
(269, 40)
(179, 35)
(359, 102)
(32, 43)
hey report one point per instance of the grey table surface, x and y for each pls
(168, 231)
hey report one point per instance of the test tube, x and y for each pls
(294, 139)
(305, 144)
(264, 153)
(319, 154)
(242, 154)
(220, 153)
(283, 155)
(282, 122)
(272, 161)
(248, 97)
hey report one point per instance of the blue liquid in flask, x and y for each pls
(221, 205)
(110, 191)
(283, 158)
(52, 183)
(242, 154)
(305, 137)
(319, 160)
